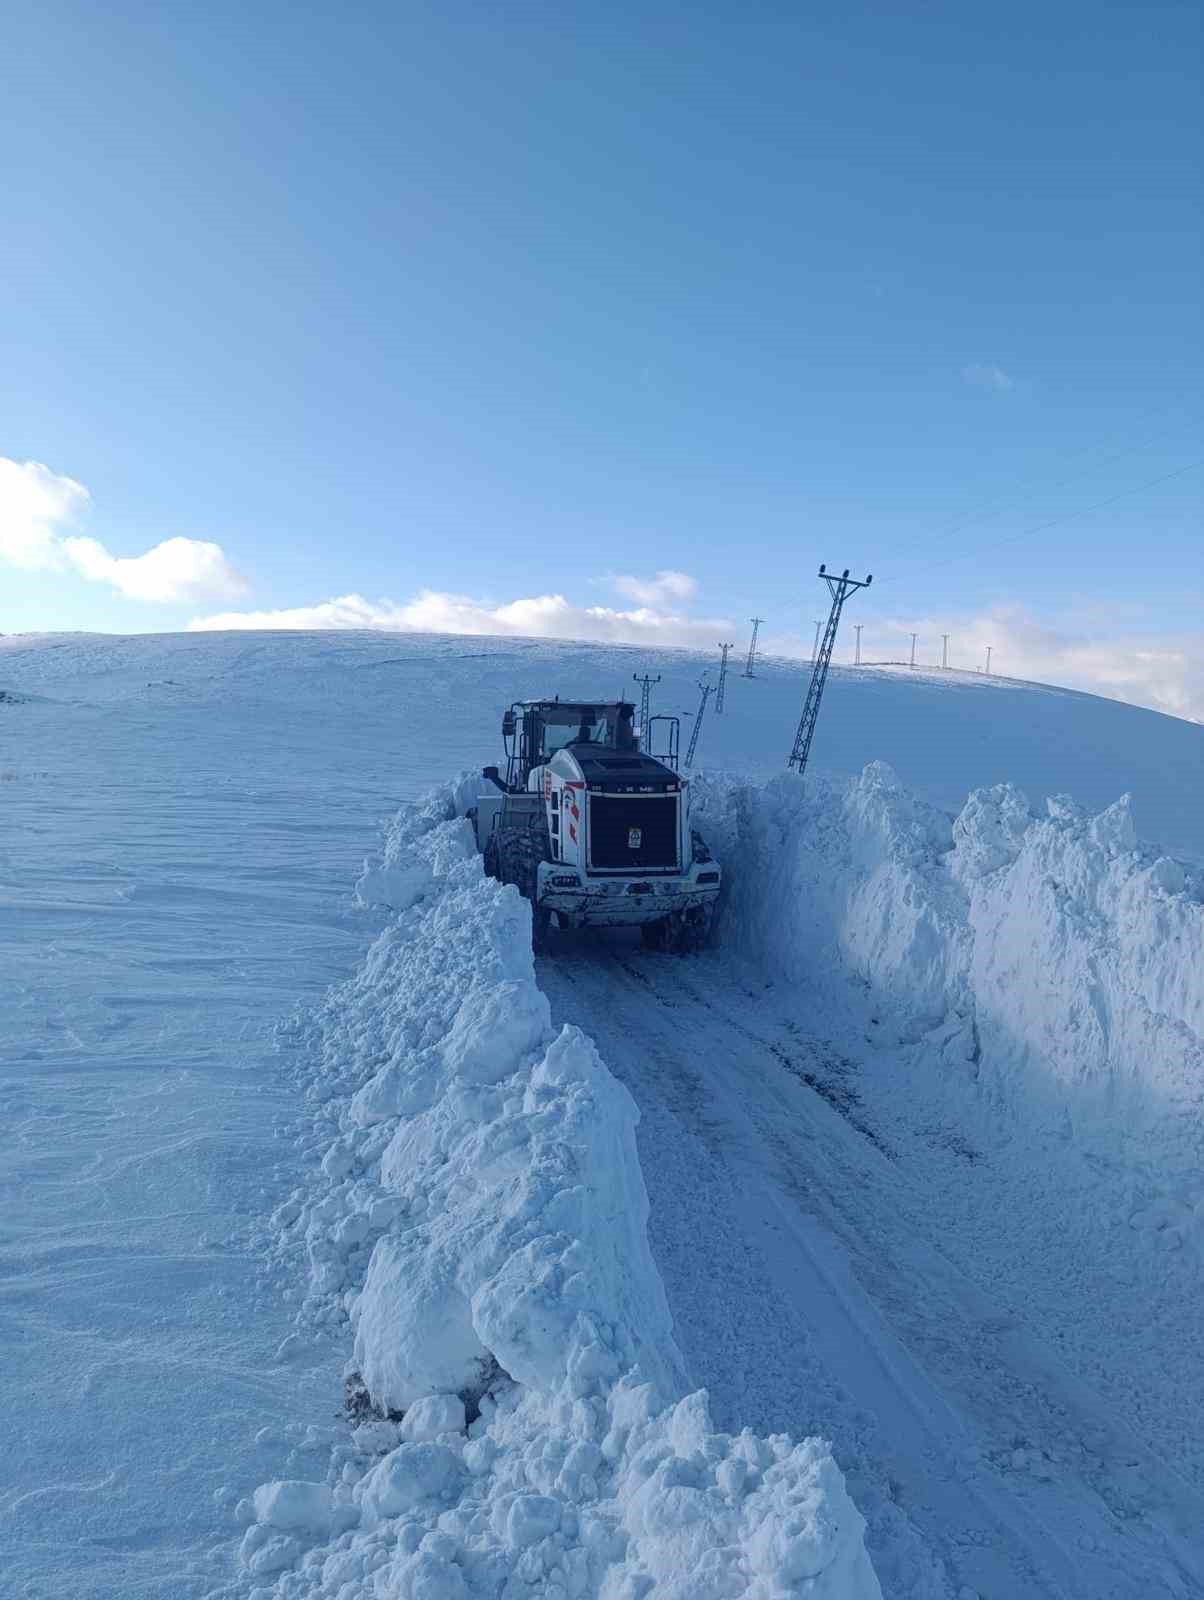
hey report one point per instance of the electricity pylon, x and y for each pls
(645, 683)
(840, 589)
(702, 711)
(752, 649)
(724, 648)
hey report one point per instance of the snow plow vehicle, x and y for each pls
(594, 831)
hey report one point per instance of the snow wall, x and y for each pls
(481, 1221)
(1050, 957)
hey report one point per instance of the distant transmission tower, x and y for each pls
(724, 648)
(752, 648)
(989, 649)
(702, 711)
(857, 627)
(944, 650)
(913, 649)
(840, 589)
(645, 683)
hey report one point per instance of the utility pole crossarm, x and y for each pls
(840, 589)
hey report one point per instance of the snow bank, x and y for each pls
(481, 1221)
(1050, 952)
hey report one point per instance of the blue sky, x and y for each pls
(504, 302)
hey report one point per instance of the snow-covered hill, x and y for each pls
(921, 1139)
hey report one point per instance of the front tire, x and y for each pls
(513, 856)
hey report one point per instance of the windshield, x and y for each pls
(603, 725)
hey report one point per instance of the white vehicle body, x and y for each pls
(615, 843)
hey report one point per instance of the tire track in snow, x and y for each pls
(803, 1303)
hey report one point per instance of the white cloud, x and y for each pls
(1164, 672)
(984, 375)
(546, 616)
(662, 590)
(37, 505)
(34, 503)
(177, 569)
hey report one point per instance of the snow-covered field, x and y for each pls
(909, 1162)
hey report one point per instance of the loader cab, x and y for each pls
(534, 730)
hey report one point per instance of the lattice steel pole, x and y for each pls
(752, 649)
(702, 711)
(840, 589)
(645, 683)
(724, 648)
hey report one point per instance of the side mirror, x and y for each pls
(508, 725)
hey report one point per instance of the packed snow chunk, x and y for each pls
(706, 1512)
(414, 1333)
(426, 1576)
(408, 1475)
(526, 1311)
(495, 1028)
(989, 831)
(402, 1088)
(802, 1519)
(264, 1552)
(1168, 876)
(397, 887)
(1113, 830)
(433, 1415)
(295, 1506)
(529, 1518)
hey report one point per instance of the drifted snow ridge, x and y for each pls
(481, 1223)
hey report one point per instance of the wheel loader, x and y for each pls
(594, 831)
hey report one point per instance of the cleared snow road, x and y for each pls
(810, 1295)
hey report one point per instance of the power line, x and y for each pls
(1010, 498)
(1039, 527)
